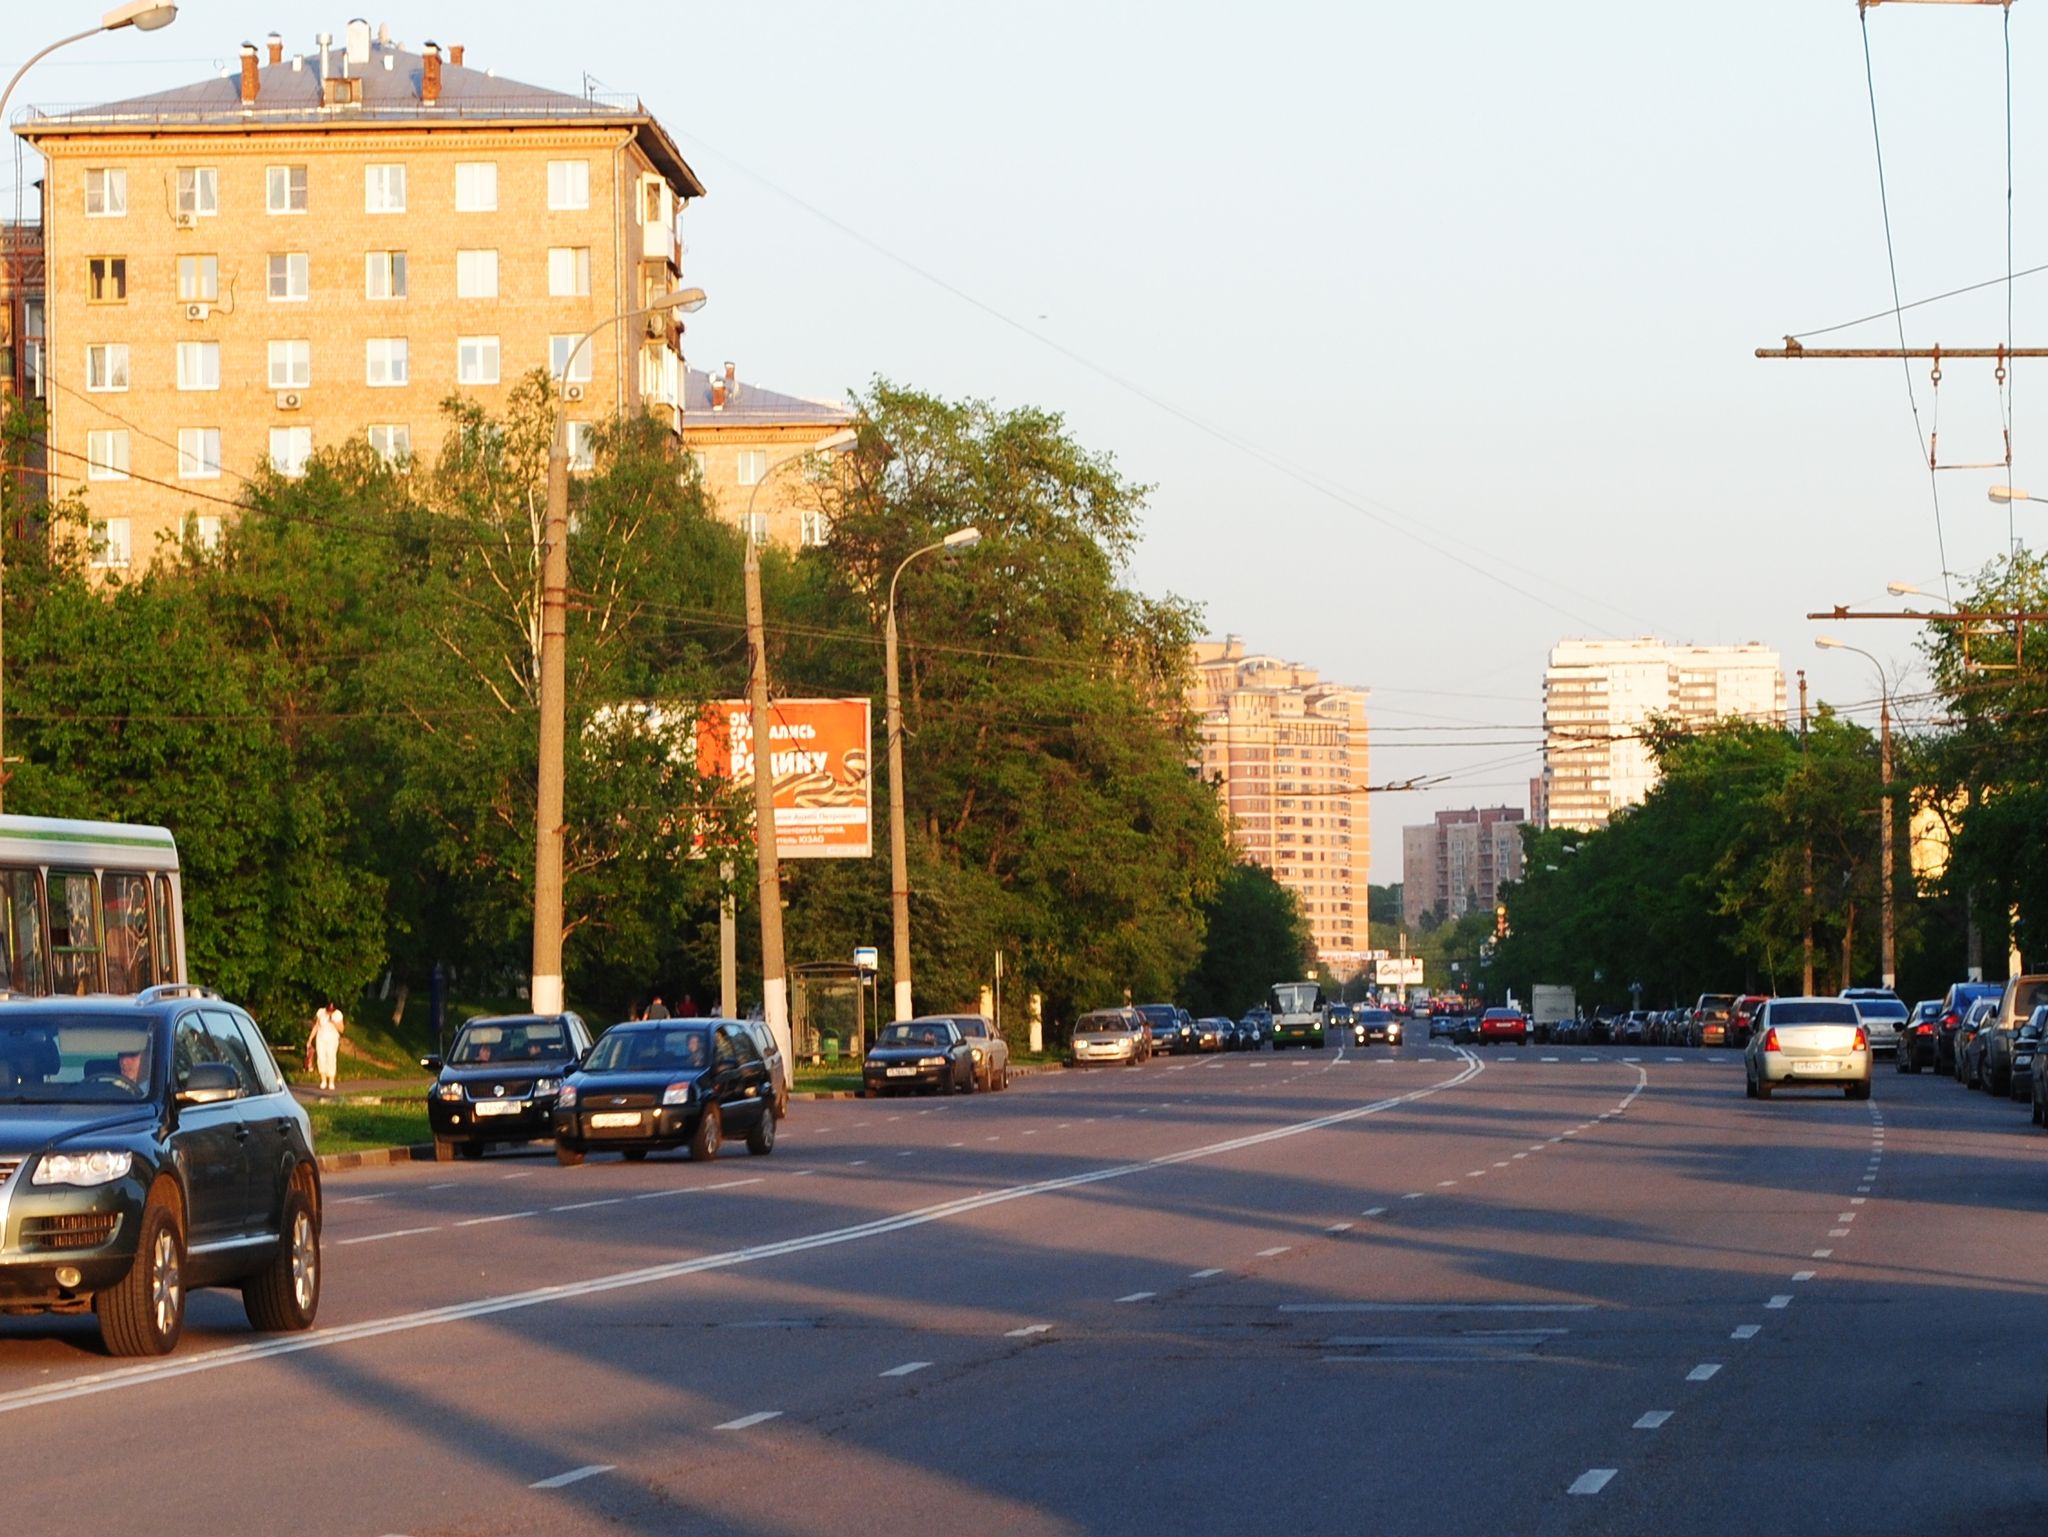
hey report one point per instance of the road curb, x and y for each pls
(375, 1157)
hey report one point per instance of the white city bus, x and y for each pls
(88, 907)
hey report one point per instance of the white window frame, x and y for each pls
(471, 354)
(384, 275)
(199, 279)
(112, 188)
(291, 364)
(198, 192)
(814, 529)
(106, 454)
(387, 362)
(294, 464)
(283, 177)
(391, 442)
(569, 272)
(582, 440)
(567, 191)
(476, 186)
(203, 531)
(109, 263)
(106, 368)
(112, 547)
(755, 526)
(751, 466)
(297, 265)
(194, 460)
(384, 187)
(198, 365)
(476, 273)
(559, 353)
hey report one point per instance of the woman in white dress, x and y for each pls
(328, 1026)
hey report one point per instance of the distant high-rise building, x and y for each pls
(1289, 755)
(1459, 862)
(1599, 695)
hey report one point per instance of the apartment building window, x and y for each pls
(567, 361)
(476, 360)
(291, 365)
(106, 368)
(202, 531)
(385, 362)
(290, 448)
(384, 275)
(199, 279)
(106, 455)
(476, 186)
(753, 465)
(391, 442)
(755, 524)
(700, 464)
(106, 192)
(582, 445)
(198, 365)
(110, 543)
(814, 529)
(291, 275)
(568, 184)
(32, 346)
(199, 453)
(285, 188)
(198, 191)
(106, 279)
(569, 272)
(476, 274)
(383, 189)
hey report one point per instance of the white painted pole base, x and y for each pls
(546, 995)
(903, 1008)
(775, 1010)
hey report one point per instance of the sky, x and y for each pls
(1430, 326)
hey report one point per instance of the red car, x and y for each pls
(1504, 1025)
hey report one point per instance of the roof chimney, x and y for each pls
(276, 48)
(358, 41)
(430, 73)
(718, 392)
(324, 42)
(455, 51)
(732, 383)
(248, 74)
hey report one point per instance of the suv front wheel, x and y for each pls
(144, 1312)
(284, 1295)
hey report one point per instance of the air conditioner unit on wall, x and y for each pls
(198, 311)
(188, 221)
(572, 393)
(288, 400)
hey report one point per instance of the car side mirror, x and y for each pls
(431, 1064)
(209, 1083)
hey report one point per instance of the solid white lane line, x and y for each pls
(573, 1476)
(1654, 1420)
(749, 1421)
(1593, 1480)
(446, 1184)
(906, 1368)
(503, 1216)
(1203, 1275)
(1437, 1307)
(1138, 1297)
(724, 1184)
(1746, 1331)
(610, 1200)
(1703, 1371)
(1802, 1275)
(1027, 1331)
(1782, 1300)
(404, 1232)
(1276, 1249)
(351, 1200)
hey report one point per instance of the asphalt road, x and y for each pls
(1434, 1291)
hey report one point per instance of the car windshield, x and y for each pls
(1880, 1008)
(911, 1033)
(1375, 1016)
(63, 1059)
(1819, 1011)
(1159, 1013)
(1296, 997)
(684, 1049)
(1102, 1022)
(499, 1041)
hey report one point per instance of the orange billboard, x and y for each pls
(819, 750)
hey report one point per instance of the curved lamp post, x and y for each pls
(1884, 906)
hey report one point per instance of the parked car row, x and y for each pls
(1992, 1043)
(1130, 1035)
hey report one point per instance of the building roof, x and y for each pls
(289, 97)
(752, 406)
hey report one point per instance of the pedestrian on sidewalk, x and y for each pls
(657, 1009)
(328, 1028)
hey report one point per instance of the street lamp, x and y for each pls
(2006, 495)
(1886, 960)
(767, 859)
(144, 16)
(545, 992)
(899, 873)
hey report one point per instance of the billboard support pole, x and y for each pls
(728, 947)
(774, 983)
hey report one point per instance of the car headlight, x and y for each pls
(931, 1061)
(678, 1093)
(448, 1091)
(102, 1166)
(977, 1053)
(547, 1085)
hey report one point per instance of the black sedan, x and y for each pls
(499, 1080)
(929, 1055)
(665, 1083)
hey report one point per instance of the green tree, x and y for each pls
(1255, 935)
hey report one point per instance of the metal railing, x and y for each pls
(605, 104)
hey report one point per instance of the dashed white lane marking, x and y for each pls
(1027, 1331)
(749, 1421)
(956, 1144)
(518, 1174)
(1855, 1200)
(906, 1152)
(1671, 1059)
(1782, 1300)
(610, 1200)
(1338, 1227)
(856, 1163)
(1138, 1297)
(573, 1476)
(1746, 1331)
(1802, 1275)
(1823, 1253)
(503, 1216)
(403, 1232)
(1703, 1371)
(1838, 1232)
(1413, 1195)
(1276, 1249)
(1589, 1059)
(906, 1368)
(1654, 1420)
(1445, 1184)
(1203, 1275)
(351, 1200)
(1593, 1480)
(724, 1184)
(1550, 1059)
(1537, 1147)
(1863, 1190)
(1520, 1155)
(1375, 1211)
(1845, 1216)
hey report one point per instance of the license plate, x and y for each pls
(901, 1072)
(500, 1106)
(1813, 1067)
(610, 1118)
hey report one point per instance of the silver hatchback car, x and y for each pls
(1802, 1042)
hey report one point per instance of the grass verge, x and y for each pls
(346, 1128)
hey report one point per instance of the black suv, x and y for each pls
(499, 1081)
(149, 1145)
(1172, 1030)
(662, 1083)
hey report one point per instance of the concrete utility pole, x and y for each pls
(1806, 948)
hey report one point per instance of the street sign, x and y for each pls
(867, 957)
(820, 751)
